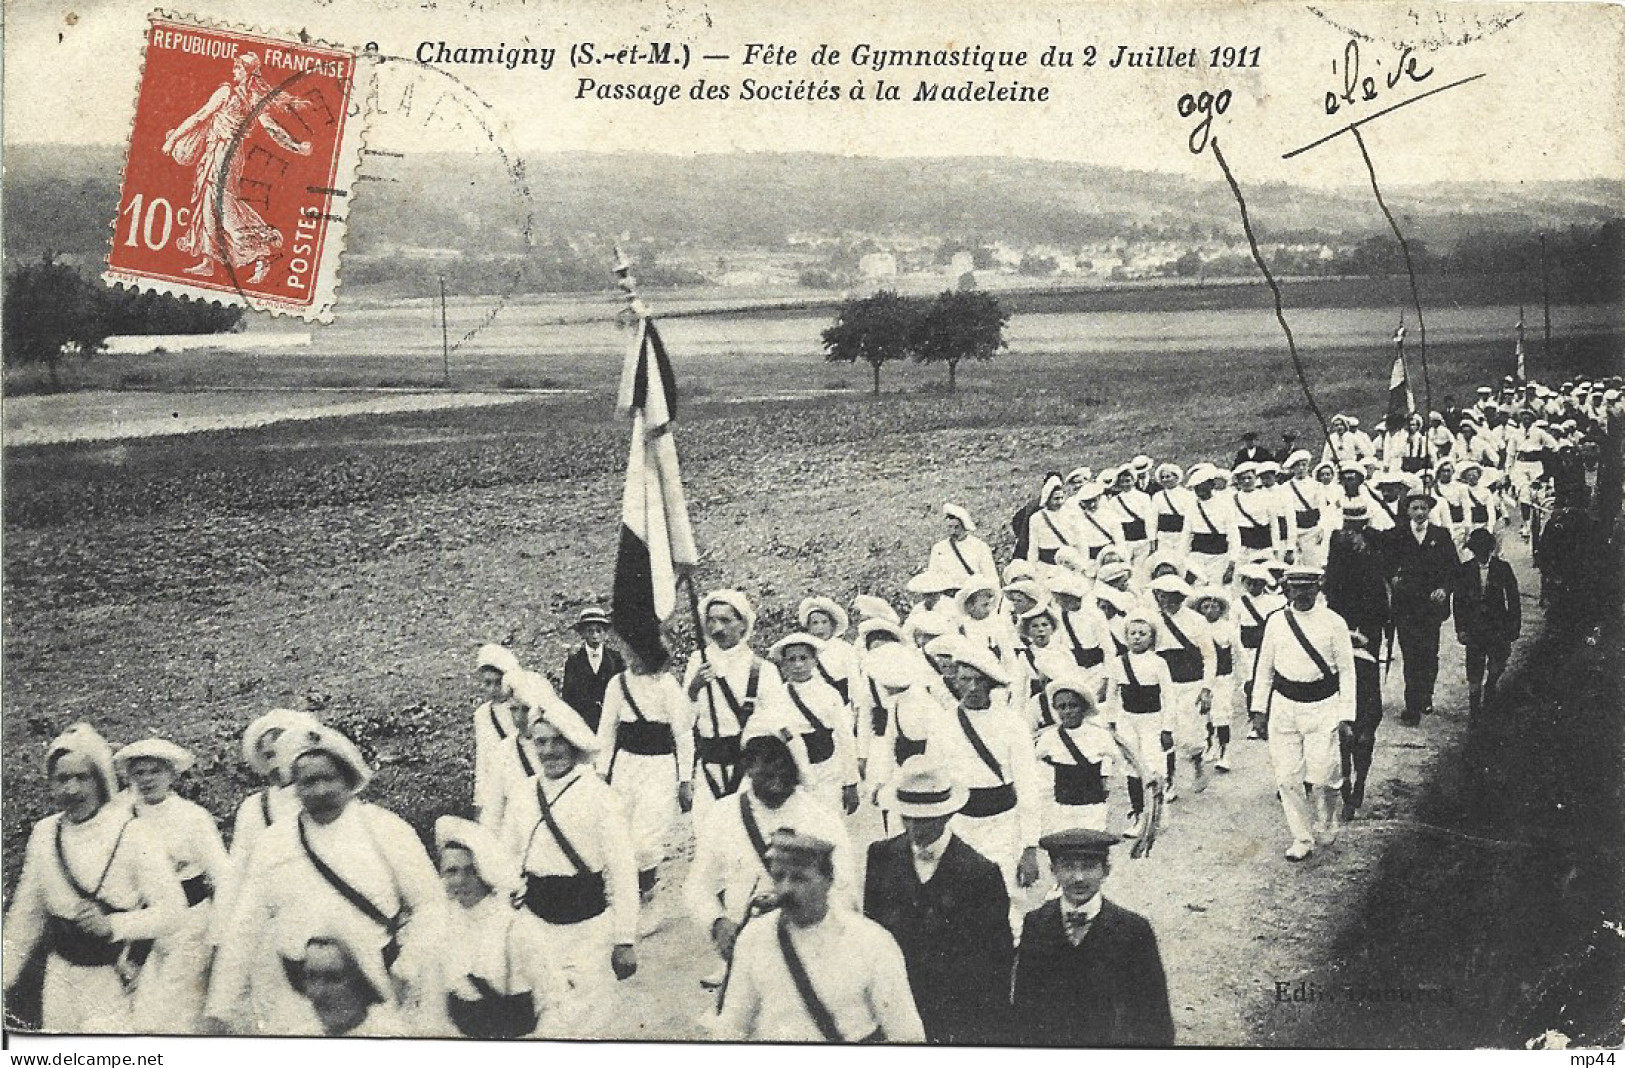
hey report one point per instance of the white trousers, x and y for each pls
(1143, 733)
(1189, 725)
(647, 785)
(579, 952)
(1303, 749)
(170, 996)
(80, 1000)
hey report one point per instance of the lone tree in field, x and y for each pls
(50, 310)
(873, 329)
(967, 324)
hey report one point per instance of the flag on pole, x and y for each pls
(1400, 401)
(657, 542)
(1519, 350)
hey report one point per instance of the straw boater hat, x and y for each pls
(870, 607)
(830, 608)
(330, 742)
(798, 638)
(278, 719)
(592, 614)
(735, 600)
(922, 790)
(180, 760)
(496, 657)
(492, 861)
(82, 739)
(1141, 463)
(953, 511)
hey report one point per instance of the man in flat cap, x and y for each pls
(947, 907)
(811, 970)
(1088, 972)
(589, 669)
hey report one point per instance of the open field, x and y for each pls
(181, 585)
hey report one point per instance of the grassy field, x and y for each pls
(183, 585)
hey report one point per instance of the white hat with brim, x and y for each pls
(1170, 584)
(86, 741)
(943, 645)
(1255, 572)
(537, 694)
(1017, 570)
(829, 607)
(868, 606)
(891, 665)
(1068, 583)
(1073, 682)
(735, 600)
(1210, 593)
(974, 585)
(922, 790)
(1200, 473)
(494, 863)
(1090, 491)
(1246, 467)
(953, 511)
(278, 719)
(870, 627)
(1141, 463)
(1080, 474)
(1141, 614)
(1050, 486)
(1170, 468)
(928, 582)
(928, 624)
(497, 657)
(1300, 457)
(332, 743)
(982, 660)
(1121, 600)
(362, 941)
(179, 759)
(1110, 573)
(797, 638)
(1299, 573)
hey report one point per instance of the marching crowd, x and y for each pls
(1150, 615)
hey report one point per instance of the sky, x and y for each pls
(1549, 105)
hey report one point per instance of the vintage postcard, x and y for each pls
(1071, 524)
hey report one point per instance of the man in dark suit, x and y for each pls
(1088, 972)
(1488, 615)
(1356, 588)
(1422, 560)
(589, 669)
(1251, 451)
(947, 908)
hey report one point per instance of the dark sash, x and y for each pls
(1480, 510)
(1308, 515)
(496, 724)
(1137, 697)
(1134, 528)
(1172, 521)
(563, 899)
(391, 924)
(1252, 634)
(838, 685)
(980, 746)
(877, 713)
(524, 758)
(1324, 668)
(1080, 652)
(1044, 515)
(265, 806)
(491, 1014)
(820, 741)
(822, 1019)
(1458, 513)
(962, 561)
(1184, 663)
(987, 801)
(1081, 782)
(753, 830)
(1103, 533)
(742, 709)
(73, 943)
(1226, 658)
(1256, 535)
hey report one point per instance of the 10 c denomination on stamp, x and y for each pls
(240, 168)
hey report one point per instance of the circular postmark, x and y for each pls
(436, 185)
(1426, 29)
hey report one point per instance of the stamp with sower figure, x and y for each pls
(239, 170)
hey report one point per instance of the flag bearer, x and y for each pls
(728, 683)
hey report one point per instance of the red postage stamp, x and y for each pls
(240, 168)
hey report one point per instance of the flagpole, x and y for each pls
(629, 285)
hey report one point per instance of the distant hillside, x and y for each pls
(63, 198)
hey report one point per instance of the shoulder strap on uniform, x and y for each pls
(753, 830)
(565, 845)
(1179, 635)
(962, 561)
(1303, 640)
(980, 746)
(94, 893)
(496, 723)
(1211, 525)
(1242, 508)
(822, 1019)
(626, 692)
(1071, 746)
(1128, 669)
(1044, 515)
(795, 698)
(356, 898)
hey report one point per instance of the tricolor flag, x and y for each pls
(657, 542)
(1400, 401)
